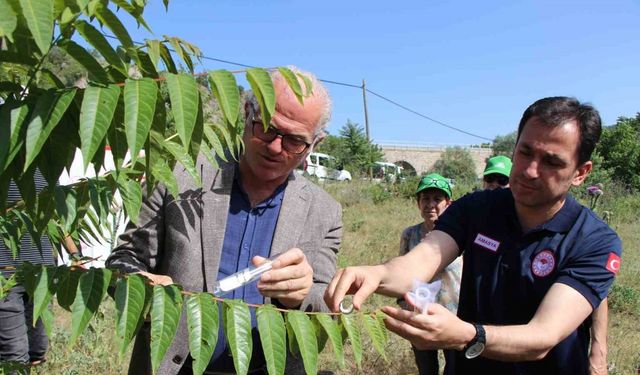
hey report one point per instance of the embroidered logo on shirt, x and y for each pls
(613, 263)
(543, 264)
(486, 242)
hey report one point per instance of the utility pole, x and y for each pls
(366, 114)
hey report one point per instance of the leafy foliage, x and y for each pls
(620, 150)
(504, 144)
(456, 161)
(352, 149)
(58, 96)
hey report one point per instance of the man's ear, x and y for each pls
(581, 173)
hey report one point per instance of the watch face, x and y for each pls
(474, 350)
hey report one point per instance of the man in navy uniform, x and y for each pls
(536, 262)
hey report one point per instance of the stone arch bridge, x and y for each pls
(421, 157)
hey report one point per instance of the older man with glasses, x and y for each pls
(245, 212)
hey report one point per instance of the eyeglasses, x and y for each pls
(502, 180)
(290, 143)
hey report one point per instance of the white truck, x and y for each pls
(325, 167)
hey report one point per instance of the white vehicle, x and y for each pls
(389, 172)
(325, 167)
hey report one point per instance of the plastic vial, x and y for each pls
(239, 279)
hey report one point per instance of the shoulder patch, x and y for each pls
(613, 263)
(543, 264)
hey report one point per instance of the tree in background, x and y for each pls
(504, 144)
(352, 149)
(456, 163)
(620, 151)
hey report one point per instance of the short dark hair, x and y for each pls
(557, 110)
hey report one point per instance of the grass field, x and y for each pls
(373, 220)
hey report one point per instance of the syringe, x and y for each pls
(240, 278)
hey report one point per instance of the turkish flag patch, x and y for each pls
(613, 263)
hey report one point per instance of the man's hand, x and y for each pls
(155, 279)
(438, 328)
(289, 280)
(360, 281)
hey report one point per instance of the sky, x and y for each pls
(473, 65)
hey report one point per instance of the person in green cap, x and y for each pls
(433, 196)
(496, 173)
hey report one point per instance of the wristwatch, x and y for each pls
(475, 347)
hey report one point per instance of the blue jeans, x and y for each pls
(20, 341)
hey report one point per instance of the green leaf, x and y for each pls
(237, 327)
(262, 88)
(130, 298)
(184, 55)
(333, 331)
(98, 107)
(291, 340)
(92, 287)
(225, 89)
(211, 136)
(67, 286)
(39, 17)
(135, 12)
(66, 202)
(131, 196)
(349, 325)
(273, 337)
(293, 82)
(165, 54)
(181, 155)
(307, 84)
(228, 139)
(165, 316)
(47, 321)
(321, 335)
(202, 321)
(12, 124)
(44, 118)
(106, 17)
(153, 50)
(210, 155)
(380, 318)
(44, 291)
(84, 58)
(163, 173)
(376, 332)
(184, 94)
(8, 20)
(139, 107)
(306, 338)
(31, 229)
(100, 43)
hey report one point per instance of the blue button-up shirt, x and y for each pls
(249, 232)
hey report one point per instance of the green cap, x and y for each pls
(498, 164)
(435, 181)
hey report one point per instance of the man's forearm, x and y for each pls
(421, 263)
(516, 343)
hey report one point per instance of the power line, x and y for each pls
(427, 117)
(342, 84)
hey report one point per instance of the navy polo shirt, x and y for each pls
(249, 232)
(507, 272)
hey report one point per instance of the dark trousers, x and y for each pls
(20, 341)
(427, 361)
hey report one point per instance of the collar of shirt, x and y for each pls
(560, 222)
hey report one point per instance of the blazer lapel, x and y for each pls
(215, 208)
(294, 210)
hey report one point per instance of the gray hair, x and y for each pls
(318, 90)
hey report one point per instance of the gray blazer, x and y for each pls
(182, 238)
